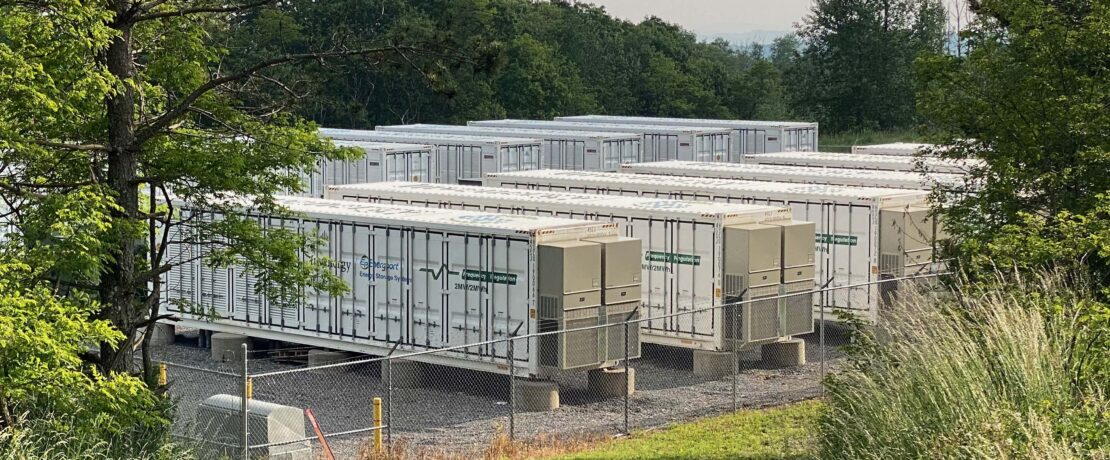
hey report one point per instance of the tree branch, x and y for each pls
(194, 10)
(162, 121)
(67, 146)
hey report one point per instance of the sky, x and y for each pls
(714, 17)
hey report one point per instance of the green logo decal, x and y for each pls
(437, 273)
(845, 240)
(480, 276)
(672, 258)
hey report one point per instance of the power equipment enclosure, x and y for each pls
(798, 174)
(420, 279)
(904, 149)
(864, 161)
(459, 158)
(748, 136)
(578, 150)
(659, 142)
(381, 162)
(686, 262)
(864, 234)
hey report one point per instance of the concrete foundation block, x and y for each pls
(611, 382)
(406, 374)
(787, 353)
(319, 357)
(227, 347)
(714, 364)
(162, 334)
(536, 395)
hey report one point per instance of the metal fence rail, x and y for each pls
(260, 405)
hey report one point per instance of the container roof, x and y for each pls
(692, 121)
(588, 126)
(750, 171)
(420, 138)
(372, 145)
(847, 159)
(502, 131)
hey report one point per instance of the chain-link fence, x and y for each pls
(567, 384)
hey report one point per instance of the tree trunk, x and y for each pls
(117, 286)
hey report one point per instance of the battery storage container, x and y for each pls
(864, 161)
(562, 149)
(748, 136)
(797, 174)
(421, 279)
(659, 142)
(864, 235)
(696, 255)
(381, 162)
(458, 158)
(903, 149)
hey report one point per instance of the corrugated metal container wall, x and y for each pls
(421, 279)
(797, 174)
(577, 150)
(748, 136)
(863, 161)
(459, 158)
(659, 142)
(381, 162)
(863, 234)
(684, 258)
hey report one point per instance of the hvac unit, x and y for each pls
(219, 421)
(621, 294)
(570, 298)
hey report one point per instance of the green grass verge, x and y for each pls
(785, 432)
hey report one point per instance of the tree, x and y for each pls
(857, 64)
(1029, 97)
(113, 110)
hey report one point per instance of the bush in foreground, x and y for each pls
(1012, 370)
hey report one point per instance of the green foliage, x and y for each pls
(856, 70)
(1009, 369)
(1029, 99)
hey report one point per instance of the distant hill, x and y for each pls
(744, 38)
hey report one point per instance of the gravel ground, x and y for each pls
(460, 410)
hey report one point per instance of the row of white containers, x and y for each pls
(424, 279)
(696, 256)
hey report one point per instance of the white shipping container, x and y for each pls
(382, 162)
(904, 149)
(684, 258)
(863, 234)
(578, 150)
(748, 136)
(797, 174)
(863, 161)
(420, 279)
(459, 158)
(659, 142)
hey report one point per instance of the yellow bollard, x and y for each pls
(250, 387)
(162, 380)
(378, 425)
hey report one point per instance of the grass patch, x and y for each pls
(784, 432)
(843, 141)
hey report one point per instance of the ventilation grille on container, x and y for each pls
(891, 265)
(761, 318)
(550, 307)
(582, 348)
(797, 311)
(734, 286)
(617, 315)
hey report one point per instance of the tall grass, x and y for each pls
(1001, 372)
(52, 438)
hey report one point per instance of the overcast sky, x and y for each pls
(706, 17)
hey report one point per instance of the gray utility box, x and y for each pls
(798, 274)
(906, 240)
(570, 298)
(756, 279)
(220, 422)
(621, 277)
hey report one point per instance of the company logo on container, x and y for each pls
(664, 204)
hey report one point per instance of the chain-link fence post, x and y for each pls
(243, 403)
(389, 400)
(821, 345)
(626, 376)
(735, 355)
(512, 391)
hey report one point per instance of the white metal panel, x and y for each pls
(863, 161)
(906, 149)
(797, 174)
(749, 136)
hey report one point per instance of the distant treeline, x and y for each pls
(478, 59)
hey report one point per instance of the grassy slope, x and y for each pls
(776, 433)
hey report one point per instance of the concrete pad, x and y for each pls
(227, 347)
(321, 357)
(611, 382)
(536, 395)
(162, 334)
(406, 374)
(714, 364)
(787, 353)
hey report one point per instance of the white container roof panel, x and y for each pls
(735, 124)
(861, 160)
(755, 189)
(467, 221)
(421, 138)
(728, 213)
(383, 146)
(522, 132)
(585, 126)
(766, 172)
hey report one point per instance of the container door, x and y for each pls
(387, 247)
